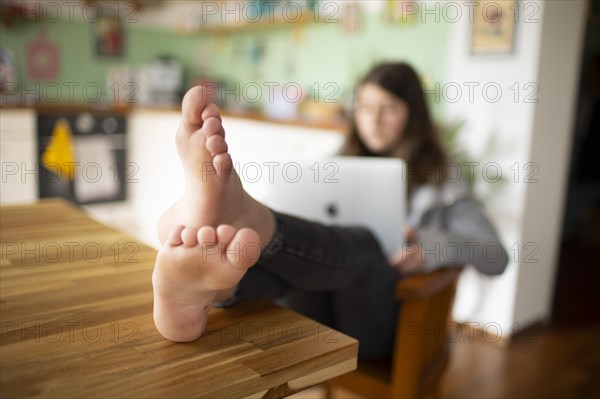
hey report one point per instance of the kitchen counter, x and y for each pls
(100, 108)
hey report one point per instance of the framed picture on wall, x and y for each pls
(493, 27)
(108, 37)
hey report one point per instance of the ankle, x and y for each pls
(263, 223)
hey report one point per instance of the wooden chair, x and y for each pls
(421, 351)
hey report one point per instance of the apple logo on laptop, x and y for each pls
(332, 210)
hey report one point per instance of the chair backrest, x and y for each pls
(421, 351)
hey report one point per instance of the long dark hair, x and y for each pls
(419, 145)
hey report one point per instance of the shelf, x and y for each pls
(260, 25)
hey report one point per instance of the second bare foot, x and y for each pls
(191, 267)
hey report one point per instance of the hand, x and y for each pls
(410, 258)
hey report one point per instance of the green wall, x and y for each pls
(328, 54)
(78, 61)
(317, 53)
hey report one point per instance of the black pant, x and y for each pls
(335, 275)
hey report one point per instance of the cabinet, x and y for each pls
(18, 156)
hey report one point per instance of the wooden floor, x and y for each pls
(554, 362)
(559, 361)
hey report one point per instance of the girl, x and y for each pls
(391, 119)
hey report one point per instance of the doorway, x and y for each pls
(577, 290)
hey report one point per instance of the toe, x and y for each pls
(211, 126)
(216, 144)
(211, 111)
(207, 235)
(189, 236)
(244, 249)
(224, 234)
(223, 164)
(193, 105)
(174, 237)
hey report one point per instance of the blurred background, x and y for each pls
(513, 85)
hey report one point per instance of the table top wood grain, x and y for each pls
(76, 321)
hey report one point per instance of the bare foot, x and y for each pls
(198, 264)
(213, 194)
(191, 267)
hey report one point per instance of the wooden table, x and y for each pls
(76, 321)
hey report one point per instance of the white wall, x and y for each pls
(550, 148)
(513, 132)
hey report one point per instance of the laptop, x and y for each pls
(340, 190)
